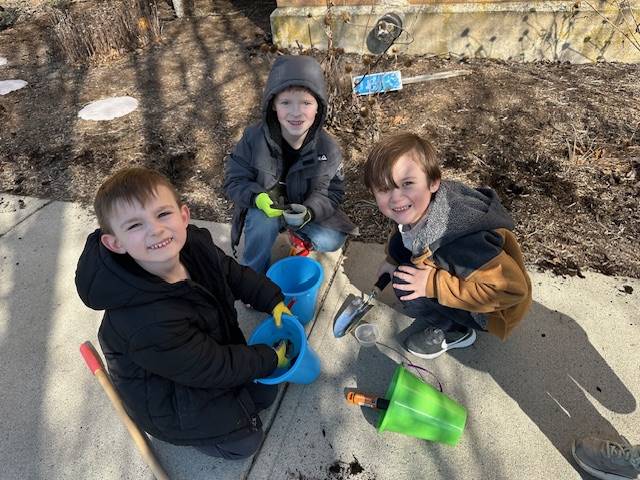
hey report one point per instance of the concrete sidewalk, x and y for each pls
(570, 369)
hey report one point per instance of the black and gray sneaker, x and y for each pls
(433, 342)
(607, 460)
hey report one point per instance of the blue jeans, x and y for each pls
(428, 309)
(260, 233)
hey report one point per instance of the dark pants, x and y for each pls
(246, 443)
(428, 309)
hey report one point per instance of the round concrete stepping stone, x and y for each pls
(3, 61)
(8, 86)
(108, 108)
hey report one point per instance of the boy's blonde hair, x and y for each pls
(384, 154)
(135, 184)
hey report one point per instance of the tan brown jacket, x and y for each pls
(477, 262)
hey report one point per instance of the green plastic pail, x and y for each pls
(419, 410)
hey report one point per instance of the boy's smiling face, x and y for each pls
(407, 203)
(152, 234)
(296, 109)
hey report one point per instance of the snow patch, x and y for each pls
(8, 86)
(3, 61)
(108, 108)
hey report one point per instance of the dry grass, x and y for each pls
(106, 32)
(581, 148)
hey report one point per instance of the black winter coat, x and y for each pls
(175, 352)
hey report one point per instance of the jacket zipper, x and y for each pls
(253, 421)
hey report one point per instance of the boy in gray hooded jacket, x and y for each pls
(287, 158)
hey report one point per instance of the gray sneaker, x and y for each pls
(607, 460)
(433, 342)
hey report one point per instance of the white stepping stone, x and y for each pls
(8, 86)
(108, 108)
(3, 61)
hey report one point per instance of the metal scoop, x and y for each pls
(354, 308)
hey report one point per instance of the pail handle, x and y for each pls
(409, 363)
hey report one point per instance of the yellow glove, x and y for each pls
(281, 351)
(264, 202)
(278, 310)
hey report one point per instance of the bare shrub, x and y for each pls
(624, 22)
(8, 17)
(347, 112)
(107, 31)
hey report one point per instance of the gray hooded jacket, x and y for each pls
(256, 163)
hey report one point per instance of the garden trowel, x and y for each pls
(354, 308)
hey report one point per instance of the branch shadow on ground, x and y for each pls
(548, 367)
(551, 369)
(28, 342)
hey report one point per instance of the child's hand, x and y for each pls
(264, 202)
(416, 278)
(278, 310)
(281, 351)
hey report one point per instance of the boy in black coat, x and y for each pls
(170, 333)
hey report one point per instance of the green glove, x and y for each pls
(278, 310)
(264, 202)
(281, 351)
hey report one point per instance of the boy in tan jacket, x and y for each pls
(455, 261)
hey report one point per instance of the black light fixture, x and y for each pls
(384, 32)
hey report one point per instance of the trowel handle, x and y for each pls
(139, 438)
(383, 281)
(91, 357)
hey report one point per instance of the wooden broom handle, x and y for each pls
(94, 363)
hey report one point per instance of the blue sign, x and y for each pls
(377, 82)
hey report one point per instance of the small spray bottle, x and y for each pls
(367, 400)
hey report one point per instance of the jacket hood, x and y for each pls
(107, 280)
(289, 71)
(456, 211)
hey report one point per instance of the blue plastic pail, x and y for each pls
(306, 365)
(299, 278)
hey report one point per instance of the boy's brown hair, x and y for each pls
(295, 88)
(129, 185)
(379, 165)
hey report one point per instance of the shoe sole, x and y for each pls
(595, 472)
(465, 342)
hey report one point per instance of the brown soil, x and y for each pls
(560, 143)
